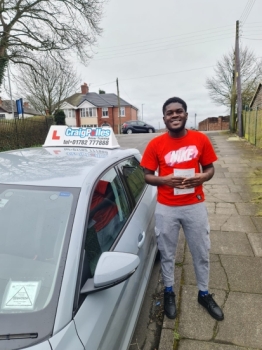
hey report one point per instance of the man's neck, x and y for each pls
(177, 135)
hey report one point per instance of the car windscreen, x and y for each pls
(35, 227)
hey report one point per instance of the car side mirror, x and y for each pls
(112, 268)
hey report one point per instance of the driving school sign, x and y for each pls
(61, 135)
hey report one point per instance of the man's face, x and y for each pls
(175, 117)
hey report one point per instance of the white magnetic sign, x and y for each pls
(64, 136)
(20, 295)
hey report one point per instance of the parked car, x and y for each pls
(77, 242)
(135, 126)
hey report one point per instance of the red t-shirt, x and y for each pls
(166, 153)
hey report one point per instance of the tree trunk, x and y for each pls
(3, 64)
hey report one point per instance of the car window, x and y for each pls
(141, 123)
(33, 226)
(109, 211)
(133, 123)
(134, 177)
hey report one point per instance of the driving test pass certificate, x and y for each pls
(184, 173)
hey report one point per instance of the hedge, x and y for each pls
(23, 133)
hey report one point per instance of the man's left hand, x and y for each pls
(195, 181)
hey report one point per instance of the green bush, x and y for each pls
(59, 117)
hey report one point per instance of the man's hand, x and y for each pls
(195, 181)
(168, 180)
(200, 178)
(174, 181)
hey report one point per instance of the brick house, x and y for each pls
(256, 101)
(92, 109)
(214, 123)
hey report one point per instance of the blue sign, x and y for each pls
(19, 106)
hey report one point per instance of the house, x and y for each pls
(256, 101)
(89, 109)
(6, 111)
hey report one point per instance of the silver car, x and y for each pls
(77, 246)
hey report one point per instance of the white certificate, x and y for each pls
(20, 295)
(184, 173)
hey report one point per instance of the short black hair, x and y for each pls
(174, 100)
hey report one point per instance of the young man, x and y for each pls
(184, 159)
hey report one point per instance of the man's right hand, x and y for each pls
(174, 181)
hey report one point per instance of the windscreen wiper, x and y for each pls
(18, 336)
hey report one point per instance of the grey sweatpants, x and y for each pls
(194, 221)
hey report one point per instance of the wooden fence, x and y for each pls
(252, 123)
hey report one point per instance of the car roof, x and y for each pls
(57, 166)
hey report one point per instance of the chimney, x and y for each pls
(84, 89)
(26, 104)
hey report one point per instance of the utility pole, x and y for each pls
(238, 78)
(232, 122)
(118, 98)
(195, 120)
(142, 110)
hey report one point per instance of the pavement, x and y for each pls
(234, 203)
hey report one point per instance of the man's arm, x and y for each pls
(209, 170)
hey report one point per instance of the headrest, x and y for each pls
(101, 186)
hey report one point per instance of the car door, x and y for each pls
(141, 127)
(144, 202)
(134, 126)
(102, 318)
(141, 225)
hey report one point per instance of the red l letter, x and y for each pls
(55, 136)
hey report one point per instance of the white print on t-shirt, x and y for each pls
(183, 154)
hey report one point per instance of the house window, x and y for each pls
(70, 113)
(2, 116)
(83, 112)
(104, 112)
(122, 111)
(92, 112)
(88, 112)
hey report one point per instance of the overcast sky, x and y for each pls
(160, 49)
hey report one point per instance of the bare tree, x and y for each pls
(31, 27)
(47, 84)
(220, 85)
